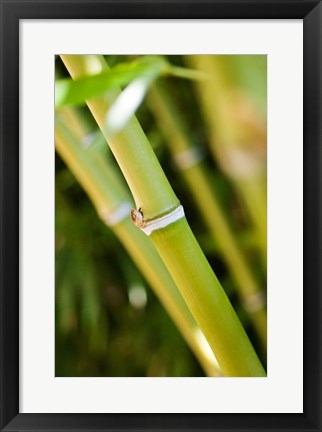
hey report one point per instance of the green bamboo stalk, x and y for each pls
(175, 243)
(104, 188)
(196, 177)
(246, 169)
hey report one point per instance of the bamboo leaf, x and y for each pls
(128, 102)
(76, 92)
(141, 73)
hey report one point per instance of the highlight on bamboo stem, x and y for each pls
(162, 271)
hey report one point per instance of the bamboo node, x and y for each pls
(255, 302)
(115, 216)
(188, 158)
(148, 226)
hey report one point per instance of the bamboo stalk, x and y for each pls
(175, 243)
(230, 140)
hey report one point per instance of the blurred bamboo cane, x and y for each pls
(237, 139)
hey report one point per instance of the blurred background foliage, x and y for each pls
(108, 320)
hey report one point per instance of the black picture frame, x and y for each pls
(11, 12)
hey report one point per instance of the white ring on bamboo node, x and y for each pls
(117, 215)
(154, 224)
(187, 158)
(255, 302)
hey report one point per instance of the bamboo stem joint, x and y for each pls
(148, 226)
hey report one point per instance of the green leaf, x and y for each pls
(76, 92)
(130, 99)
(128, 102)
(141, 72)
